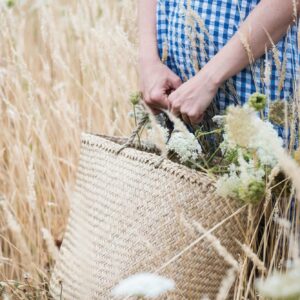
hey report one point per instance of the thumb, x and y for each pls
(174, 81)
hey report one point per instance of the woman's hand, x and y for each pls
(157, 82)
(193, 97)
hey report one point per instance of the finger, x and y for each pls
(175, 110)
(155, 111)
(165, 102)
(173, 107)
(185, 119)
(147, 101)
(196, 119)
(174, 81)
(159, 99)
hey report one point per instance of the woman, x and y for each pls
(212, 49)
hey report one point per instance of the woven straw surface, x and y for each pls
(128, 216)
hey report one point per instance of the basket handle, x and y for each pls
(134, 133)
(164, 119)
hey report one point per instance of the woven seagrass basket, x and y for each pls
(130, 215)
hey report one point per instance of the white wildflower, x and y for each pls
(281, 286)
(266, 141)
(228, 185)
(245, 129)
(248, 171)
(185, 145)
(244, 181)
(143, 285)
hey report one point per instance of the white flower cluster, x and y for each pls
(244, 128)
(185, 145)
(266, 142)
(143, 285)
(281, 286)
(246, 133)
(239, 179)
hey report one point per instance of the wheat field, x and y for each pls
(65, 67)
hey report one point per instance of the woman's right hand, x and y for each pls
(157, 81)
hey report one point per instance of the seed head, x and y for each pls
(257, 101)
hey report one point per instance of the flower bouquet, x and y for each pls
(252, 155)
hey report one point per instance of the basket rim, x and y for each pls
(108, 144)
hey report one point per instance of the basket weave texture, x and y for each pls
(128, 215)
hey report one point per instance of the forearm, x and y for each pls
(147, 30)
(269, 20)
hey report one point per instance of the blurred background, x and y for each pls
(65, 67)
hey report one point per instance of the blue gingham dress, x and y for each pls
(191, 32)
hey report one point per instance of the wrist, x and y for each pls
(213, 75)
(146, 60)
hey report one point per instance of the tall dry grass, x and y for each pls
(68, 66)
(65, 67)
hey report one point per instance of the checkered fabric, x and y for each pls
(191, 32)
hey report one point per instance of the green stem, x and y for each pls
(212, 156)
(208, 133)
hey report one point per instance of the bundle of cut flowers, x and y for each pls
(250, 150)
(253, 156)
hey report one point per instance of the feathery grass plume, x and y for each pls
(284, 223)
(253, 257)
(277, 112)
(246, 45)
(221, 250)
(273, 174)
(267, 70)
(281, 286)
(295, 10)
(15, 228)
(165, 52)
(290, 167)
(48, 238)
(143, 285)
(31, 197)
(191, 33)
(226, 284)
(282, 76)
(158, 135)
(12, 223)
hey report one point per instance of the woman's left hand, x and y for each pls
(193, 97)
